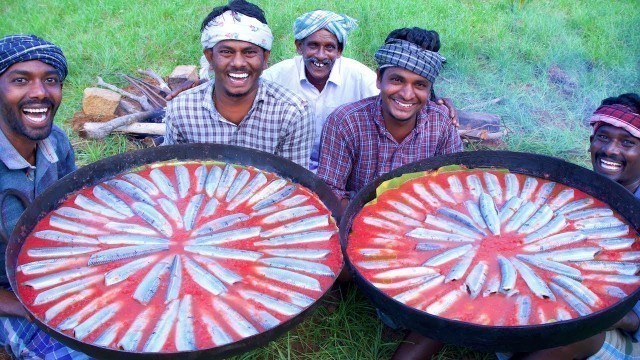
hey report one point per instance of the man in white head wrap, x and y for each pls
(236, 107)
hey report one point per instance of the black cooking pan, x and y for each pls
(108, 168)
(500, 338)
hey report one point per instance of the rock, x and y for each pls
(181, 74)
(97, 101)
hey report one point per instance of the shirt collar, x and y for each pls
(209, 105)
(335, 76)
(14, 161)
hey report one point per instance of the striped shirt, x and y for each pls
(279, 122)
(356, 147)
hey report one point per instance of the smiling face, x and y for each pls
(319, 51)
(404, 94)
(237, 66)
(30, 93)
(615, 153)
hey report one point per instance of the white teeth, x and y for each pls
(239, 76)
(610, 165)
(42, 110)
(318, 64)
(403, 104)
(37, 119)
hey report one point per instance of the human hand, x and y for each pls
(11, 306)
(629, 323)
(452, 110)
(188, 84)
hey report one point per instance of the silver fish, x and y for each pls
(561, 199)
(237, 185)
(149, 285)
(598, 223)
(589, 213)
(49, 265)
(426, 246)
(441, 193)
(213, 179)
(306, 224)
(474, 185)
(398, 218)
(210, 207)
(290, 277)
(218, 335)
(57, 292)
(474, 211)
(201, 178)
(571, 299)
(618, 267)
(430, 282)
(462, 218)
(404, 284)
(582, 292)
(96, 320)
(204, 278)
(451, 227)
(248, 191)
(129, 239)
(443, 303)
(92, 206)
(271, 188)
(535, 283)
(192, 210)
(455, 185)
(164, 184)
(220, 223)
(575, 205)
(428, 234)
(610, 232)
(405, 209)
(284, 204)
(521, 216)
(293, 297)
(160, 332)
(493, 285)
(563, 315)
(131, 338)
(555, 225)
(149, 214)
(629, 256)
(59, 307)
(63, 237)
(523, 310)
(58, 278)
(261, 317)
(493, 187)
(616, 243)
(275, 198)
(448, 255)
(380, 223)
(298, 238)
(385, 264)
(298, 265)
(299, 253)
(170, 208)
(425, 195)
(64, 224)
(227, 177)
(614, 278)
(574, 254)
(130, 228)
(109, 335)
(508, 273)
(271, 303)
(87, 309)
(131, 190)
(185, 336)
(78, 214)
(223, 253)
(405, 272)
(509, 209)
(111, 200)
(144, 184)
(61, 251)
(544, 192)
(183, 180)
(512, 185)
(458, 270)
(555, 241)
(236, 322)
(529, 188)
(489, 213)
(412, 201)
(476, 278)
(552, 266)
(175, 280)
(124, 252)
(125, 271)
(537, 221)
(226, 236)
(222, 273)
(614, 291)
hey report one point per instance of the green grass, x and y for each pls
(494, 49)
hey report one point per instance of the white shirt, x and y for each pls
(349, 81)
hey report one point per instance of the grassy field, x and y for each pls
(551, 62)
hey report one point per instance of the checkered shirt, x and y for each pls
(356, 147)
(279, 122)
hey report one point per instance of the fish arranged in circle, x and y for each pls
(179, 256)
(491, 247)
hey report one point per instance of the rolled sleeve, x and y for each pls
(336, 158)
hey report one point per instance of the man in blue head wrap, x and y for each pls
(34, 153)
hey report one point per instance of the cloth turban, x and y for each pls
(20, 48)
(617, 115)
(409, 56)
(338, 24)
(232, 25)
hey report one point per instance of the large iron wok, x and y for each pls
(110, 167)
(498, 338)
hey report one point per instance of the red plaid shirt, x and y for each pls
(356, 147)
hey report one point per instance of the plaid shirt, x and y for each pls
(356, 147)
(279, 122)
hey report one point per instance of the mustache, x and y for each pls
(602, 155)
(315, 59)
(46, 102)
